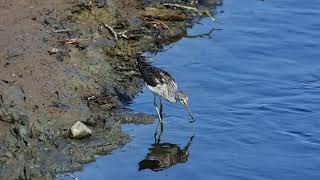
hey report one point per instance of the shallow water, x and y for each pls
(254, 91)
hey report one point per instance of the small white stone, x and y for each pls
(54, 51)
(80, 130)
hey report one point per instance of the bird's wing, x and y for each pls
(154, 76)
(169, 80)
(158, 80)
(166, 87)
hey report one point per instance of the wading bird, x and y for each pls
(161, 84)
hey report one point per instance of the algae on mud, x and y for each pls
(91, 77)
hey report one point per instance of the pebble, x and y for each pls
(53, 51)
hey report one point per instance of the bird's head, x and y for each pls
(183, 99)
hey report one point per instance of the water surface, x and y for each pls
(254, 90)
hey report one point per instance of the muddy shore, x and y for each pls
(64, 61)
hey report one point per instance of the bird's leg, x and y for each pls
(161, 131)
(160, 119)
(157, 138)
(161, 128)
(156, 106)
(186, 148)
(161, 108)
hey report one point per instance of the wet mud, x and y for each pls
(64, 61)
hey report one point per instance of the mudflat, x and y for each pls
(64, 61)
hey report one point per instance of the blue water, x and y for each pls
(254, 90)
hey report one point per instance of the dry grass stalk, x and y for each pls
(191, 9)
(158, 22)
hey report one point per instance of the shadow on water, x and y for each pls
(254, 91)
(163, 155)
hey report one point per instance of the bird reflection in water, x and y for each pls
(164, 155)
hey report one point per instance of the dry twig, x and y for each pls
(155, 21)
(113, 127)
(74, 41)
(191, 9)
(208, 34)
(62, 30)
(113, 32)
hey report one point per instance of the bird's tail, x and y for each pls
(142, 62)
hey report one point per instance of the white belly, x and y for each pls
(163, 91)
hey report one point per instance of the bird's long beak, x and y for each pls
(187, 108)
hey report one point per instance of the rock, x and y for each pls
(21, 132)
(80, 130)
(53, 51)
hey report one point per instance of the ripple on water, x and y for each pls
(254, 90)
